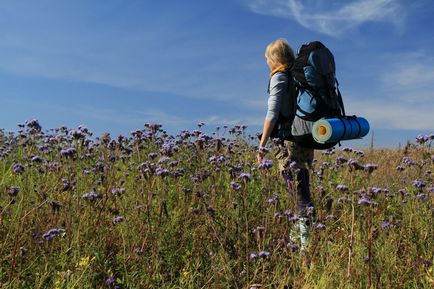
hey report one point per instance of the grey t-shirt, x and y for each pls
(281, 99)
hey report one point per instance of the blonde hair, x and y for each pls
(280, 52)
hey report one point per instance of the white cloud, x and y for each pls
(411, 77)
(332, 17)
(384, 114)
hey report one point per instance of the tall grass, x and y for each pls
(196, 211)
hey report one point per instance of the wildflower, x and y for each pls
(36, 159)
(407, 161)
(402, 192)
(152, 155)
(23, 251)
(34, 125)
(245, 176)
(18, 168)
(400, 168)
(292, 246)
(342, 188)
(347, 149)
(110, 280)
(293, 166)
(138, 251)
(320, 226)
(77, 134)
(259, 229)
(161, 172)
(353, 164)
(430, 189)
(55, 206)
(421, 196)
(265, 164)
(264, 254)
(386, 225)
(118, 220)
(50, 234)
(68, 152)
(13, 191)
(253, 256)
(421, 139)
(118, 191)
(370, 167)
(419, 184)
(91, 196)
(273, 200)
(364, 201)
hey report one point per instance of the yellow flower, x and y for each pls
(84, 262)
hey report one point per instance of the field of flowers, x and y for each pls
(195, 210)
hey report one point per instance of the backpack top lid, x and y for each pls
(317, 56)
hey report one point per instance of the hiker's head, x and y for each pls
(279, 52)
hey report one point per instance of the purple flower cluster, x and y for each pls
(260, 254)
(91, 196)
(52, 233)
(118, 219)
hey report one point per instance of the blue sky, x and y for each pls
(114, 65)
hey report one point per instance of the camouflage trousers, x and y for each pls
(297, 160)
(289, 152)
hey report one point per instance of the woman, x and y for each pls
(277, 123)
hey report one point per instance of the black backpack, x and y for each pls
(318, 93)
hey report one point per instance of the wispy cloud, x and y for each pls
(332, 17)
(410, 76)
(401, 97)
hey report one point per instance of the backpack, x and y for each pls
(318, 94)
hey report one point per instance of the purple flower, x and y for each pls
(245, 176)
(138, 251)
(118, 219)
(37, 159)
(421, 138)
(273, 200)
(342, 188)
(385, 225)
(259, 229)
(118, 191)
(370, 167)
(253, 256)
(110, 280)
(320, 226)
(90, 196)
(364, 201)
(407, 161)
(18, 168)
(34, 125)
(68, 152)
(400, 168)
(292, 246)
(50, 234)
(419, 184)
(77, 134)
(265, 164)
(13, 191)
(264, 254)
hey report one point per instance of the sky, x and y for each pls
(114, 65)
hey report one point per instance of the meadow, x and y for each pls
(195, 210)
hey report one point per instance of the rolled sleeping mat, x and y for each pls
(336, 129)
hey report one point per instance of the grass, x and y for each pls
(196, 211)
